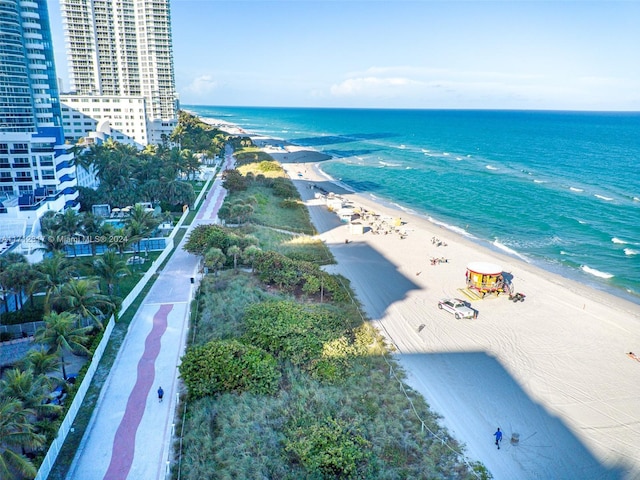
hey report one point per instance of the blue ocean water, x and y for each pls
(560, 190)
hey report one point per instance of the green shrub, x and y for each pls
(26, 315)
(290, 330)
(266, 166)
(331, 448)
(261, 199)
(228, 366)
(234, 181)
(290, 203)
(282, 187)
(276, 269)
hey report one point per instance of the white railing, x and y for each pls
(56, 445)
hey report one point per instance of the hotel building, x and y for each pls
(37, 171)
(122, 50)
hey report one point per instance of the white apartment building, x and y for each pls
(120, 49)
(89, 118)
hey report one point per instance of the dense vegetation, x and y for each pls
(156, 174)
(284, 377)
(262, 194)
(73, 296)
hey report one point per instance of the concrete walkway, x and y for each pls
(130, 433)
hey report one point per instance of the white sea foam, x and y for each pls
(402, 147)
(574, 189)
(602, 197)
(538, 181)
(446, 154)
(491, 167)
(630, 251)
(511, 251)
(636, 199)
(458, 158)
(388, 164)
(410, 211)
(453, 228)
(617, 240)
(594, 272)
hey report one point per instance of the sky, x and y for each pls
(509, 54)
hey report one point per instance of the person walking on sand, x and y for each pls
(498, 436)
(160, 394)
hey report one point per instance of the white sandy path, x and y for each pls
(552, 369)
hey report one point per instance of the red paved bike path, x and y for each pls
(129, 435)
(125, 440)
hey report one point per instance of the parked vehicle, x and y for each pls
(459, 308)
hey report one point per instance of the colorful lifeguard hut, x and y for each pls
(486, 278)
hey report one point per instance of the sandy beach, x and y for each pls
(553, 372)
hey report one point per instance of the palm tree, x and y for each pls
(69, 225)
(190, 163)
(54, 272)
(120, 240)
(52, 242)
(48, 221)
(151, 149)
(10, 265)
(91, 227)
(146, 217)
(136, 232)
(40, 362)
(178, 133)
(22, 276)
(81, 297)
(214, 258)
(16, 432)
(249, 254)
(115, 164)
(61, 334)
(234, 251)
(178, 192)
(140, 224)
(110, 267)
(30, 389)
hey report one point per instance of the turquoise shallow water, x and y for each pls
(560, 190)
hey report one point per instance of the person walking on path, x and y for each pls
(161, 394)
(498, 436)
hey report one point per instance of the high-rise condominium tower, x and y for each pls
(36, 167)
(123, 48)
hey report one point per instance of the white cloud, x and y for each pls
(201, 85)
(372, 86)
(432, 86)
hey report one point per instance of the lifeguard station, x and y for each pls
(485, 279)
